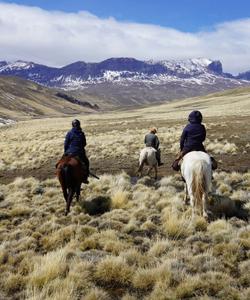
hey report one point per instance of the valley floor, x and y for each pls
(229, 128)
(146, 246)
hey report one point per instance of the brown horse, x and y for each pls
(70, 172)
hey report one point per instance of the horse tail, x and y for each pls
(199, 186)
(67, 175)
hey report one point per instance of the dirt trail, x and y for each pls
(227, 163)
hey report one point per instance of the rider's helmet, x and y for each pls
(76, 123)
(195, 117)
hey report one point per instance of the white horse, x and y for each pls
(148, 157)
(196, 169)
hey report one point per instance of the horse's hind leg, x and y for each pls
(186, 195)
(192, 205)
(65, 194)
(204, 206)
(78, 191)
(155, 167)
(149, 170)
(69, 200)
(140, 169)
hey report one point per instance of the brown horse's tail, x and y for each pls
(67, 176)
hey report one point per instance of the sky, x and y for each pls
(60, 32)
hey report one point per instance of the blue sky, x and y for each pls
(185, 15)
(57, 33)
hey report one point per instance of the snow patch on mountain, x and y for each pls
(5, 122)
(18, 65)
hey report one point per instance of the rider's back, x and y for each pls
(75, 142)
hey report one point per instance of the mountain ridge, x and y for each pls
(127, 65)
(126, 81)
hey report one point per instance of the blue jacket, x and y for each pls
(75, 142)
(193, 136)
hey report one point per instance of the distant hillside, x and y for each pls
(233, 102)
(21, 99)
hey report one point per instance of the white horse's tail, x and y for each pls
(199, 183)
(142, 159)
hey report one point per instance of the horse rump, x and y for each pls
(147, 157)
(197, 172)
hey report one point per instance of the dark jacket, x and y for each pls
(193, 136)
(75, 142)
(151, 140)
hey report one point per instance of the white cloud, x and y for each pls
(58, 38)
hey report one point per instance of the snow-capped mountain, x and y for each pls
(130, 80)
(113, 70)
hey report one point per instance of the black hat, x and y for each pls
(76, 123)
(195, 117)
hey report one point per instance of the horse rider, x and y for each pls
(151, 140)
(192, 138)
(74, 145)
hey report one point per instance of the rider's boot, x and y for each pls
(176, 163)
(214, 163)
(158, 158)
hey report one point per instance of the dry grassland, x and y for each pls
(146, 246)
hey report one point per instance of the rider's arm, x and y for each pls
(84, 142)
(183, 137)
(204, 134)
(157, 142)
(67, 142)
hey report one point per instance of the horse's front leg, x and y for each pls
(69, 200)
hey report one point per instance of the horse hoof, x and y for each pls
(205, 216)
(66, 213)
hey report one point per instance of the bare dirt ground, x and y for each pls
(234, 129)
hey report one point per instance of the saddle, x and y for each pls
(176, 165)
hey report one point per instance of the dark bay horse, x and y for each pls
(70, 172)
